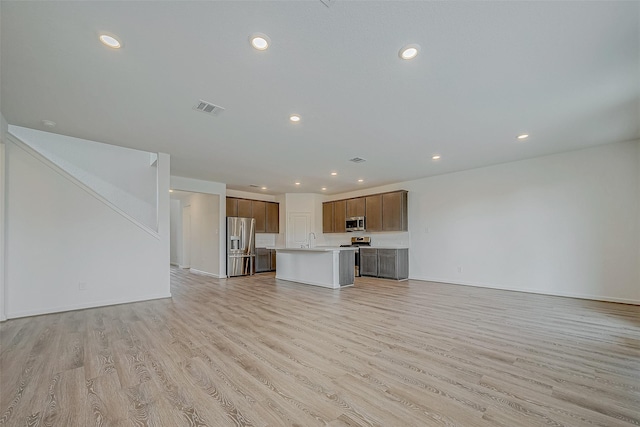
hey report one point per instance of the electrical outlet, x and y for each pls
(82, 286)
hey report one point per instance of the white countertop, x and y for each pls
(316, 249)
(333, 248)
(384, 247)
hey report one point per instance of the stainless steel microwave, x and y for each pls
(355, 223)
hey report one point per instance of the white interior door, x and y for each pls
(186, 237)
(298, 228)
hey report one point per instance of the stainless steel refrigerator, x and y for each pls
(241, 246)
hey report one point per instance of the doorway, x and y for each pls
(298, 228)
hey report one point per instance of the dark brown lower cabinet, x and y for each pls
(384, 263)
(368, 262)
(265, 260)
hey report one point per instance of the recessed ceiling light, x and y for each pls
(263, 188)
(170, 191)
(297, 183)
(48, 123)
(324, 188)
(294, 118)
(435, 157)
(260, 41)
(110, 41)
(334, 173)
(410, 51)
(361, 180)
(523, 136)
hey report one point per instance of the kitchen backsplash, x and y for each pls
(331, 239)
(377, 239)
(264, 240)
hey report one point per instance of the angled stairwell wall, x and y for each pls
(70, 247)
(125, 177)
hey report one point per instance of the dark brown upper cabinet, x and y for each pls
(272, 217)
(394, 211)
(339, 216)
(259, 213)
(244, 208)
(355, 207)
(327, 217)
(382, 212)
(232, 206)
(266, 214)
(373, 212)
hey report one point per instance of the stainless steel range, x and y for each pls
(357, 242)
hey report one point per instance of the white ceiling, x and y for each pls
(568, 73)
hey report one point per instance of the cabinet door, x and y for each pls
(402, 264)
(356, 207)
(273, 217)
(394, 211)
(339, 216)
(232, 206)
(387, 266)
(373, 209)
(244, 208)
(258, 209)
(368, 262)
(263, 260)
(327, 217)
(272, 252)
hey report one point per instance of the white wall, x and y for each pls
(61, 237)
(280, 238)
(176, 231)
(303, 203)
(125, 177)
(3, 133)
(205, 233)
(566, 224)
(216, 188)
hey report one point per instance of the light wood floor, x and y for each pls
(257, 351)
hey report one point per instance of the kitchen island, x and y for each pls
(329, 267)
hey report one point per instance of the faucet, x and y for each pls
(314, 240)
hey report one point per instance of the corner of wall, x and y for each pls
(164, 212)
(638, 213)
(209, 187)
(3, 131)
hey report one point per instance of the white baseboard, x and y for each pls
(203, 273)
(184, 267)
(531, 291)
(72, 307)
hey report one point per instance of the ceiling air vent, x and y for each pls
(207, 107)
(254, 186)
(357, 160)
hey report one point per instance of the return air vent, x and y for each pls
(208, 108)
(357, 160)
